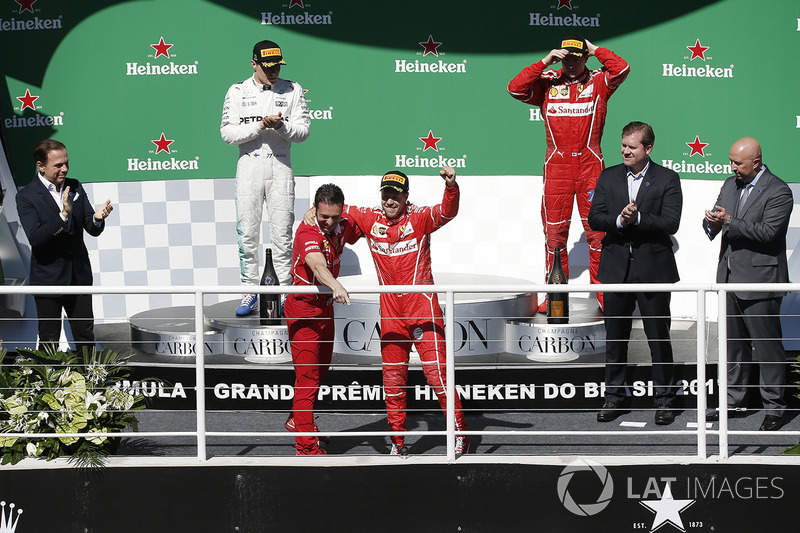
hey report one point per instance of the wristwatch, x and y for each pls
(727, 223)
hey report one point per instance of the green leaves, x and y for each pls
(47, 391)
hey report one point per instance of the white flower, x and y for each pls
(31, 449)
(93, 398)
(96, 373)
(65, 377)
(97, 399)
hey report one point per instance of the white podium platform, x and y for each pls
(485, 324)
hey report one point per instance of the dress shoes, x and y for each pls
(664, 416)
(712, 415)
(610, 412)
(771, 423)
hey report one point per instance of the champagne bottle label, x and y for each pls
(269, 304)
(557, 303)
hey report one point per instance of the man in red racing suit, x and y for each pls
(316, 259)
(399, 240)
(573, 101)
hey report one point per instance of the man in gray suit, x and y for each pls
(752, 215)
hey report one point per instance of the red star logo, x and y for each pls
(430, 46)
(163, 144)
(564, 3)
(296, 3)
(430, 141)
(698, 50)
(26, 5)
(697, 147)
(27, 100)
(161, 48)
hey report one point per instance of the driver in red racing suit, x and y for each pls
(399, 240)
(573, 101)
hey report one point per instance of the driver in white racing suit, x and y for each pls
(264, 115)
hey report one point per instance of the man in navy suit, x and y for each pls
(752, 215)
(638, 204)
(54, 212)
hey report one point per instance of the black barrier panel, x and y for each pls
(581, 496)
(535, 389)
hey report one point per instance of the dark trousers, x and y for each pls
(81, 319)
(654, 308)
(755, 341)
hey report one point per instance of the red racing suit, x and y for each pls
(401, 250)
(574, 113)
(310, 319)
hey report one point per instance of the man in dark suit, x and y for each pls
(638, 204)
(752, 214)
(54, 212)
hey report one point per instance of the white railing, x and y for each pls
(201, 434)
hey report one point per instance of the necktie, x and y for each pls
(743, 197)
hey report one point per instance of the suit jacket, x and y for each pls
(58, 253)
(754, 246)
(659, 202)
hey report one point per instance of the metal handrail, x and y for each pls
(449, 291)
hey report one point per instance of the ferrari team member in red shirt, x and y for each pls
(574, 101)
(315, 261)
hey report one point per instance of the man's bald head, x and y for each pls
(745, 157)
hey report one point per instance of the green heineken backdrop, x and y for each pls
(389, 84)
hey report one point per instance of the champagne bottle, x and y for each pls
(557, 302)
(269, 305)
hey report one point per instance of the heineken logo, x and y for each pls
(572, 20)
(430, 141)
(35, 23)
(37, 120)
(25, 5)
(698, 51)
(162, 144)
(283, 19)
(161, 48)
(697, 147)
(430, 46)
(27, 100)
